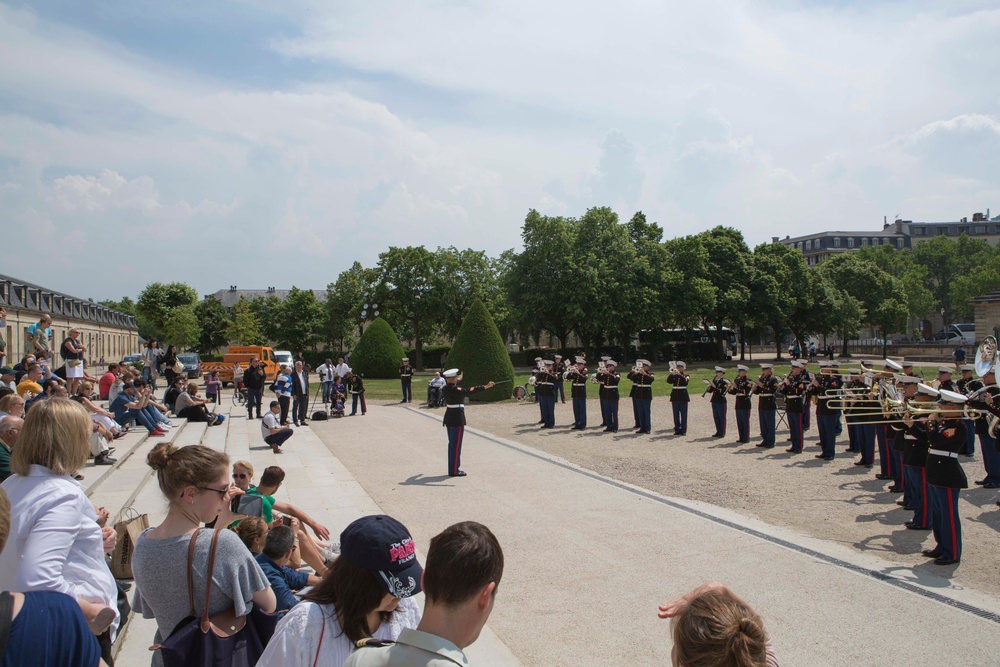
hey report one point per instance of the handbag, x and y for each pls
(178, 367)
(222, 640)
(129, 526)
(73, 363)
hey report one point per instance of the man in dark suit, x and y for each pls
(300, 395)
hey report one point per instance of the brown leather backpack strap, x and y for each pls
(194, 536)
(321, 633)
(208, 575)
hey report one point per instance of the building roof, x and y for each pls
(230, 297)
(987, 298)
(21, 295)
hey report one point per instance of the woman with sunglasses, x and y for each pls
(195, 481)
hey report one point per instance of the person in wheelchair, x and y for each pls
(435, 391)
(338, 395)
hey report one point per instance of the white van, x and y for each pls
(284, 358)
(955, 334)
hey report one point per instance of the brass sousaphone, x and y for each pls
(986, 363)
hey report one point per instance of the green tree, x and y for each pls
(213, 320)
(126, 305)
(302, 319)
(244, 328)
(156, 303)
(268, 311)
(345, 300)
(459, 278)
(405, 290)
(729, 272)
(480, 354)
(181, 327)
(645, 285)
(773, 296)
(693, 294)
(847, 316)
(378, 352)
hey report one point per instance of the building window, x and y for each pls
(836, 242)
(942, 231)
(850, 242)
(809, 245)
(899, 243)
(919, 231)
(963, 230)
(864, 240)
(979, 229)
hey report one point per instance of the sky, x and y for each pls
(259, 143)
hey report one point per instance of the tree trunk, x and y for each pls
(777, 344)
(743, 343)
(418, 344)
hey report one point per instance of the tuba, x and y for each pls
(986, 356)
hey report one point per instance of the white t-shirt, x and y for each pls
(342, 370)
(270, 421)
(325, 373)
(296, 639)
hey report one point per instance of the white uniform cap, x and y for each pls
(605, 358)
(926, 390)
(907, 379)
(681, 364)
(951, 396)
(833, 364)
(945, 369)
(558, 356)
(581, 360)
(907, 364)
(406, 358)
(967, 367)
(645, 362)
(824, 364)
(866, 364)
(767, 365)
(892, 365)
(741, 367)
(720, 369)
(611, 362)
(450, 373)
(549, 362)
(796, 364)
(538, 358)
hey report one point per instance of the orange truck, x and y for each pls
(242, 354)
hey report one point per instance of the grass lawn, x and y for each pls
(376, 389)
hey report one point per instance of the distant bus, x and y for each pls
(663, 345)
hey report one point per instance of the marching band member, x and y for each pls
(897, 441)
(945, 479)
(601, 398)
(545, 389)
(578, 392)
(886, 469)
(867, 403)
(807, 377)
(642, 380)
(539, 365)
(719, 386)
(454, 417)
(915, 462)
(827, 418)
(560, 392)
(854, 384)
(987, 444)
(741, 388)
(944, 379)
(679, 398)
(609, 379)
(962, 387)
(795, 388)
(764, 388)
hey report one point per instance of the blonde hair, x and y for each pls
(84, 388)
(192, 388)
(8, 401)
(178, 468)
(250, 529)
(717, 629)
(56, 434)
(246, 465)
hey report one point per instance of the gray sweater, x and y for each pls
(160, 570)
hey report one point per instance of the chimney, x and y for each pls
(774, 239)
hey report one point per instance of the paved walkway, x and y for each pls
(589, 558)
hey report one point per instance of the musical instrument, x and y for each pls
(986, 357)
(714, 388)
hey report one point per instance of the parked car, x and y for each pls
(192, 364)
(131, 358)
(284, 358)
(956, 334)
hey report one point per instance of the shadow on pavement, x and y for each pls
(420, 480)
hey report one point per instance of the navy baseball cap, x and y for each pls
(383, 545)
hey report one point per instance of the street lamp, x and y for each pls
(370, 307)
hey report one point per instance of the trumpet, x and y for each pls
(965, 411)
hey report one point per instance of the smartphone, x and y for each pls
(248, 505)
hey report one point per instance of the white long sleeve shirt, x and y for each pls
(55, 543)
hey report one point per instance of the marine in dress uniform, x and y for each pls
(915, 462)
(898, 445)
(827, 418)
(886, 469)
(853, 384)
(765, 388)
(679, 397)
(962, 387)
(795, 387)
(945, 478)
(539, 365)
(406, 379)
(741, 388)
(807, 402)
(600, 393)
(356, 386)
(545, 389)
(454, 417)
(865, 402)
(559, 370)
(987, 444)
(577, 377)
(718, 388)
(642, 380)
(609, 378)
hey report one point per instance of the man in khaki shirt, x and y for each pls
(463, 569)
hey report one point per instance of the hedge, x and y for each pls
(434, 355)
(378, 353)
(479, 352)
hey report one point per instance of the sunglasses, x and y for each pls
(240, 475)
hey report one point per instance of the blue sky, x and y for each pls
(259, 143)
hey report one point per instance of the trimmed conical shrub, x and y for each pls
(378, 352)
(480, 354)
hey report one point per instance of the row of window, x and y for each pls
(956, 231)
(848, 242)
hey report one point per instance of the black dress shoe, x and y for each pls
(944, 560)
(792, 450)
(852, 450)
(895, 489)
(820, 456)
(980, 482)
(881, 476)
(912, 526)
(900, 503)
(860, 463)
(460, 473)
(607, 430)
(760, 444)
(991, 485)
(930, 553)
(909, 508)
